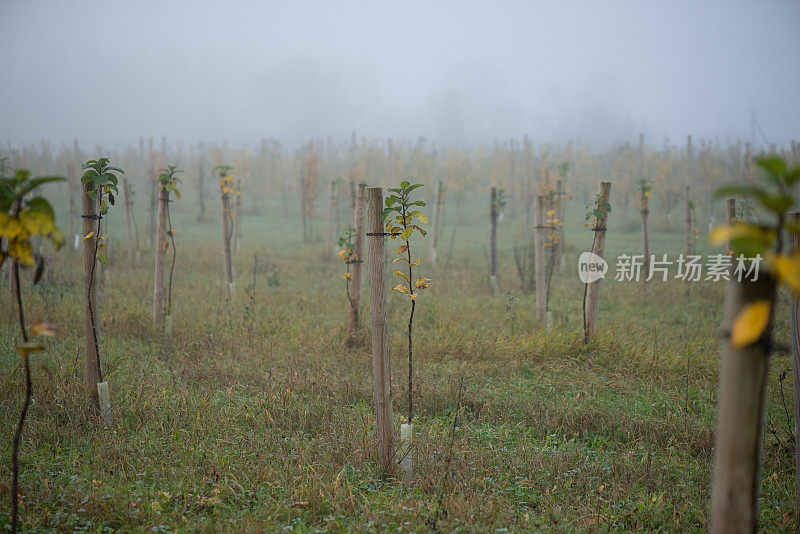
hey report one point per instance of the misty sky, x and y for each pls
(458, 73)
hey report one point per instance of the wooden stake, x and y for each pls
(161, 255)
(559, 230)
(201, 197)
(437, 201)
(794, 307)
(381, 364)
(493, 241)
(126, 188)
(236, 227)
(331, 194)
(591, 295)
(645, 237)
(153, 192)
(538, 258)
(355, 268)
(226, 244)
(689, 236)
(742, 393)
(89, 211)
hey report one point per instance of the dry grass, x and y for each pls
(254, 416)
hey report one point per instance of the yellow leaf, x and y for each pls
(399, 273)
(347, 276)
(722, 234)
(750, 324)
(87, 236)
(423, 219)
(788, 270)
(401, 288)
(402, 249)
(27, 348)
(412, 296)
(413, 263)
(550, 213)
(398, 259)
(10, 227)
(21, 252)
(46, 329)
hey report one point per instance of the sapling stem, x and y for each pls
(24, 412)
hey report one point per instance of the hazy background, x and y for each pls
(455, 72)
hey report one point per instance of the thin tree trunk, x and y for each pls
(381, 363)
(591, 295)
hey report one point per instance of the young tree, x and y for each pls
(99, 184)
(168, 182)
(399, 219)
(24, 215)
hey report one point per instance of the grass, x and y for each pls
(254, 416)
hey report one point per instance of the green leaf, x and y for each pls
(102, 258)
(778, 203)
(773, 165)
(792, 175)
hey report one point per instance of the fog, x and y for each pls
(457, 73)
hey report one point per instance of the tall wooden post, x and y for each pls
(689, 236)
(153, 193)
(794, 307)
(381, 364)
(161, 255)
(236, 223)
(730, 212)
(645, 236)
(742, 394)
(201, 196)
(331, 205)
(591, 296)
(538, 257)
(73, 183)
(558, 248)
(354, 331)
(437, 202)
(89, 214)
(126, 188)
(493, 241)
(226, 244)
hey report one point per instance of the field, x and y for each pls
(254, 415)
